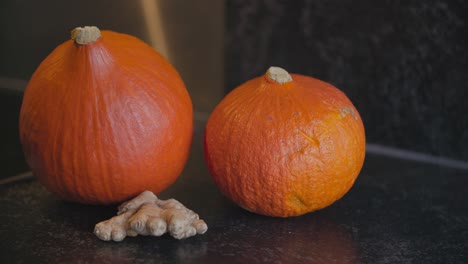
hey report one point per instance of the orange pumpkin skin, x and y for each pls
(105, 121)
(284, 149)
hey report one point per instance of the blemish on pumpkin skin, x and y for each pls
(294, 115)
(311, 139)
(347, 110)
(310, 150)
(297, 201)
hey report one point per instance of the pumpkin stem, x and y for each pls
(85, 35)
(278, 75)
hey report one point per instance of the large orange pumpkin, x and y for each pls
(284, 145)
(105, 117)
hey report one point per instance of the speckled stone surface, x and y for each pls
(403, 63)
(397, 212)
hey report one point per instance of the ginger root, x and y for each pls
(147, 215)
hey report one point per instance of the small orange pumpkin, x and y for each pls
(284, 145)
(105, 117)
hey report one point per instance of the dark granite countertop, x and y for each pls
(397, 212)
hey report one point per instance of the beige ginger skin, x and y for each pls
(148, 215)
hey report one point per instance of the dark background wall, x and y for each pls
(404, 64)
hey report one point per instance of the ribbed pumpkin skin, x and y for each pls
(104, 121)
(284, 149)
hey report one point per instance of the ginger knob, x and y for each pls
(147, 215)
